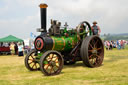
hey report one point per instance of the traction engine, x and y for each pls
(61, 46)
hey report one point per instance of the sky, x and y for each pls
(21, 17)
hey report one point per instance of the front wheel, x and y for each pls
(31, 62)
(51, 63)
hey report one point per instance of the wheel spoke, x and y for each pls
(56, 58)
(57, 62)
(95, 44)
(98, 58)
(33, 65)
(99, 49)
(30, 63)
(91, 46)
(37, 64)
(30, 59)
(51, 56)
(47, 66)
(90, 51)
(92, 60)
(57, 66)
(90, 57)
(48, 58)
(51, 70)
(95, 63)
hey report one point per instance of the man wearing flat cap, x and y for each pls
(95, 29)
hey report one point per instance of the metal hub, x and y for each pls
(94, 51)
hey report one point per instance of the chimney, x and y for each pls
(43, 12)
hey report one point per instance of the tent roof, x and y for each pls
(10, 38)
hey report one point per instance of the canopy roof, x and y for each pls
(10, 38)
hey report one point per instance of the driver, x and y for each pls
(95, 29)
(82, 28)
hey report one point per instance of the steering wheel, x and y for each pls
(84, 29)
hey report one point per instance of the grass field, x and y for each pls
(114, 71)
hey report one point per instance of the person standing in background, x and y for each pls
(95, 29)
(122, 44)
(16, 49)
(20, 49)
(12, 48)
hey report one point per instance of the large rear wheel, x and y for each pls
(92, 51)
(51, 63)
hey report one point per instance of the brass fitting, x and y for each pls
(43, 5)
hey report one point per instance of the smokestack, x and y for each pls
(43, 12)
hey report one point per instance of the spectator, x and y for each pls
(122, 44)
(16, 49)
(108, 45)
(12, 48)
(20, 49)
(111, 45)
(118, 44)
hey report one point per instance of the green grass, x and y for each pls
(114, 71)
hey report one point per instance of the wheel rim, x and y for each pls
(95, 51)
(52, 64)
(31, 60)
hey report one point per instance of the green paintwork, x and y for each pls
(65, 30)
(45, 62)
(40, 54)
(64, 43)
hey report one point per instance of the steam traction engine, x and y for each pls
(61, 46)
